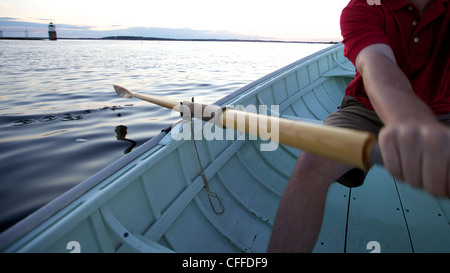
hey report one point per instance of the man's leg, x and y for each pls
(299, 217)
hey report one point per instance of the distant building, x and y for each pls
(52, 32)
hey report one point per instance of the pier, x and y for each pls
(6, 34)
(29, 34)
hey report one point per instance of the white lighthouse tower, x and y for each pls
(52, 32)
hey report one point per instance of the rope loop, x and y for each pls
(205, 181)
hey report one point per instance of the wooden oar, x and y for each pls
(355, 148)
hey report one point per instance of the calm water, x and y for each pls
(61, 121)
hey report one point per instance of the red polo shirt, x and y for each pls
(421, 45)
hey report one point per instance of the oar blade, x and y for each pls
(123, 92)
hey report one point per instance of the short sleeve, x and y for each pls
(361, 25)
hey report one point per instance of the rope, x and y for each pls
(205, 181)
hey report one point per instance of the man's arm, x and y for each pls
(414, 144)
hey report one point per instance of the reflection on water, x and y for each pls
(121, 132)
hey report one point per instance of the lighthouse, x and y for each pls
(52, 32)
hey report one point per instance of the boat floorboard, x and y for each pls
(384, 215)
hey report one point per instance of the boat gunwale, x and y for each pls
(9, 236)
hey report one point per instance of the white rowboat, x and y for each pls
(155, 198)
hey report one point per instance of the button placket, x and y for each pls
(414, 23)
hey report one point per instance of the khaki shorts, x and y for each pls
(354, 115)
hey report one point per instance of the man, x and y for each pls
(401, 53)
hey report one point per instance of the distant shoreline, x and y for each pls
(19, 38)
(141, 38)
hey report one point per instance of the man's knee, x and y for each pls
(313, 167)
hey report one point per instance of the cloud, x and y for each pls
(42, 19)
(11, 27)
(8, 18)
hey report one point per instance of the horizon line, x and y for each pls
(144, 38)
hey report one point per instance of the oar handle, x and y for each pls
(375, 155)
(348, 146)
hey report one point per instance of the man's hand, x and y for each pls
(415, 146)
(418, 154)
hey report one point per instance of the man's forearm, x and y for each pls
(389, 89)
(413, 143)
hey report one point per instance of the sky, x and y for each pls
(288, 20)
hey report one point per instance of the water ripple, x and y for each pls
(61, 122)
